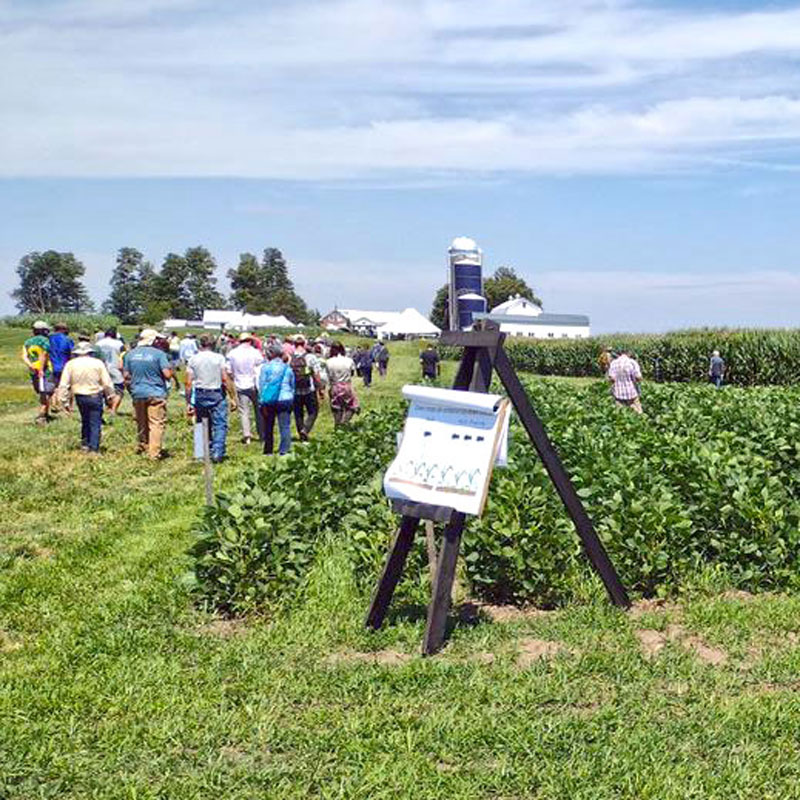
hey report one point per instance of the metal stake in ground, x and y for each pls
(207, 469)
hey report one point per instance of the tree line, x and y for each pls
(183, 287)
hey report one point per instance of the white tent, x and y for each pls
(266, 321)
(216, 319)
(408, 323)
(241, 321)
(376, 318)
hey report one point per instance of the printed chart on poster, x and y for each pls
(450, 444)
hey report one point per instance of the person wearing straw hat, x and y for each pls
(147, 372)
(36, 357)
(85, 380)
(243, 363)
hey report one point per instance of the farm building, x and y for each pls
(380, 324)
(518, 316)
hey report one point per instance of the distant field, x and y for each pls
(114, 684)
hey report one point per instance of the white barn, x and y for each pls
(518, 316)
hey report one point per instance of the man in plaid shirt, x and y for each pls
(625, 375)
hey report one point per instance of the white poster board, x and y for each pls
(450, 443)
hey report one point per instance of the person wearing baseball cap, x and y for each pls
(86, 380)
(147, 372)
(36, 357)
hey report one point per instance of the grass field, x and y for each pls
(113, 685)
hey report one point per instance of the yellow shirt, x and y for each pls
(84, 375)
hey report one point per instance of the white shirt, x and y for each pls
(206, 369)
(242, 363)
(111, 350)
(187, 349)
(340, 369)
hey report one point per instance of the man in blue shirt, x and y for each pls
(147, 372)
(60, 350)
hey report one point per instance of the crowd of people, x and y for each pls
(625, 376)
(267, 379)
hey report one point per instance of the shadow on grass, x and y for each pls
(464, 615)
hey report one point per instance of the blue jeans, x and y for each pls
(213, 404)
(283, 412)
(717, 381)
(91, 410)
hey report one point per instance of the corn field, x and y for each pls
(752, 357)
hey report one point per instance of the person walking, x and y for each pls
(242, 365)
(380, 355)
(276, 400)
(85, 380)
(61, 347)
(110, 348)
(625, 376)
(174, 348)
(341, 369)
(206, 384)
(147, 372)
(429, 359)
(365, 363)
(716, 369)
(604, 360)
(36, 357)
(307, 382)
(188, 348)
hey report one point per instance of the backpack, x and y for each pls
(302, 373)
(271, 390)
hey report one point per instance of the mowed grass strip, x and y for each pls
(113, 685)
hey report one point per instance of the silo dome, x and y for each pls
(464, 243)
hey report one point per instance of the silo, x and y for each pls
(465, 260)
(469, 304)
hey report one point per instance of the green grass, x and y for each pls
(113, 685)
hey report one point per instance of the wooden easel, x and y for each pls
(483, 354)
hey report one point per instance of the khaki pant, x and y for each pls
(151, 420)
(635, 404)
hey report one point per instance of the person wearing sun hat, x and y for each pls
(85, 380)
(36, 357)
(242, 365)
(147, 372)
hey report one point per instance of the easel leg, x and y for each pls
(443, 585)
(392, 570)
(558, 475)
(430, 543)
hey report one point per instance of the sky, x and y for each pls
(634, 160)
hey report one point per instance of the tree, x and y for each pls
(50, 282)
(185, 286)
(506, 283)
(201, 281)
(168, 288)
(440, 312)
(247, 293)
(266, 288)
(131, 283)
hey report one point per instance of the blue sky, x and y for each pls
(636, 161)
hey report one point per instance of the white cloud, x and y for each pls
(354, 88)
